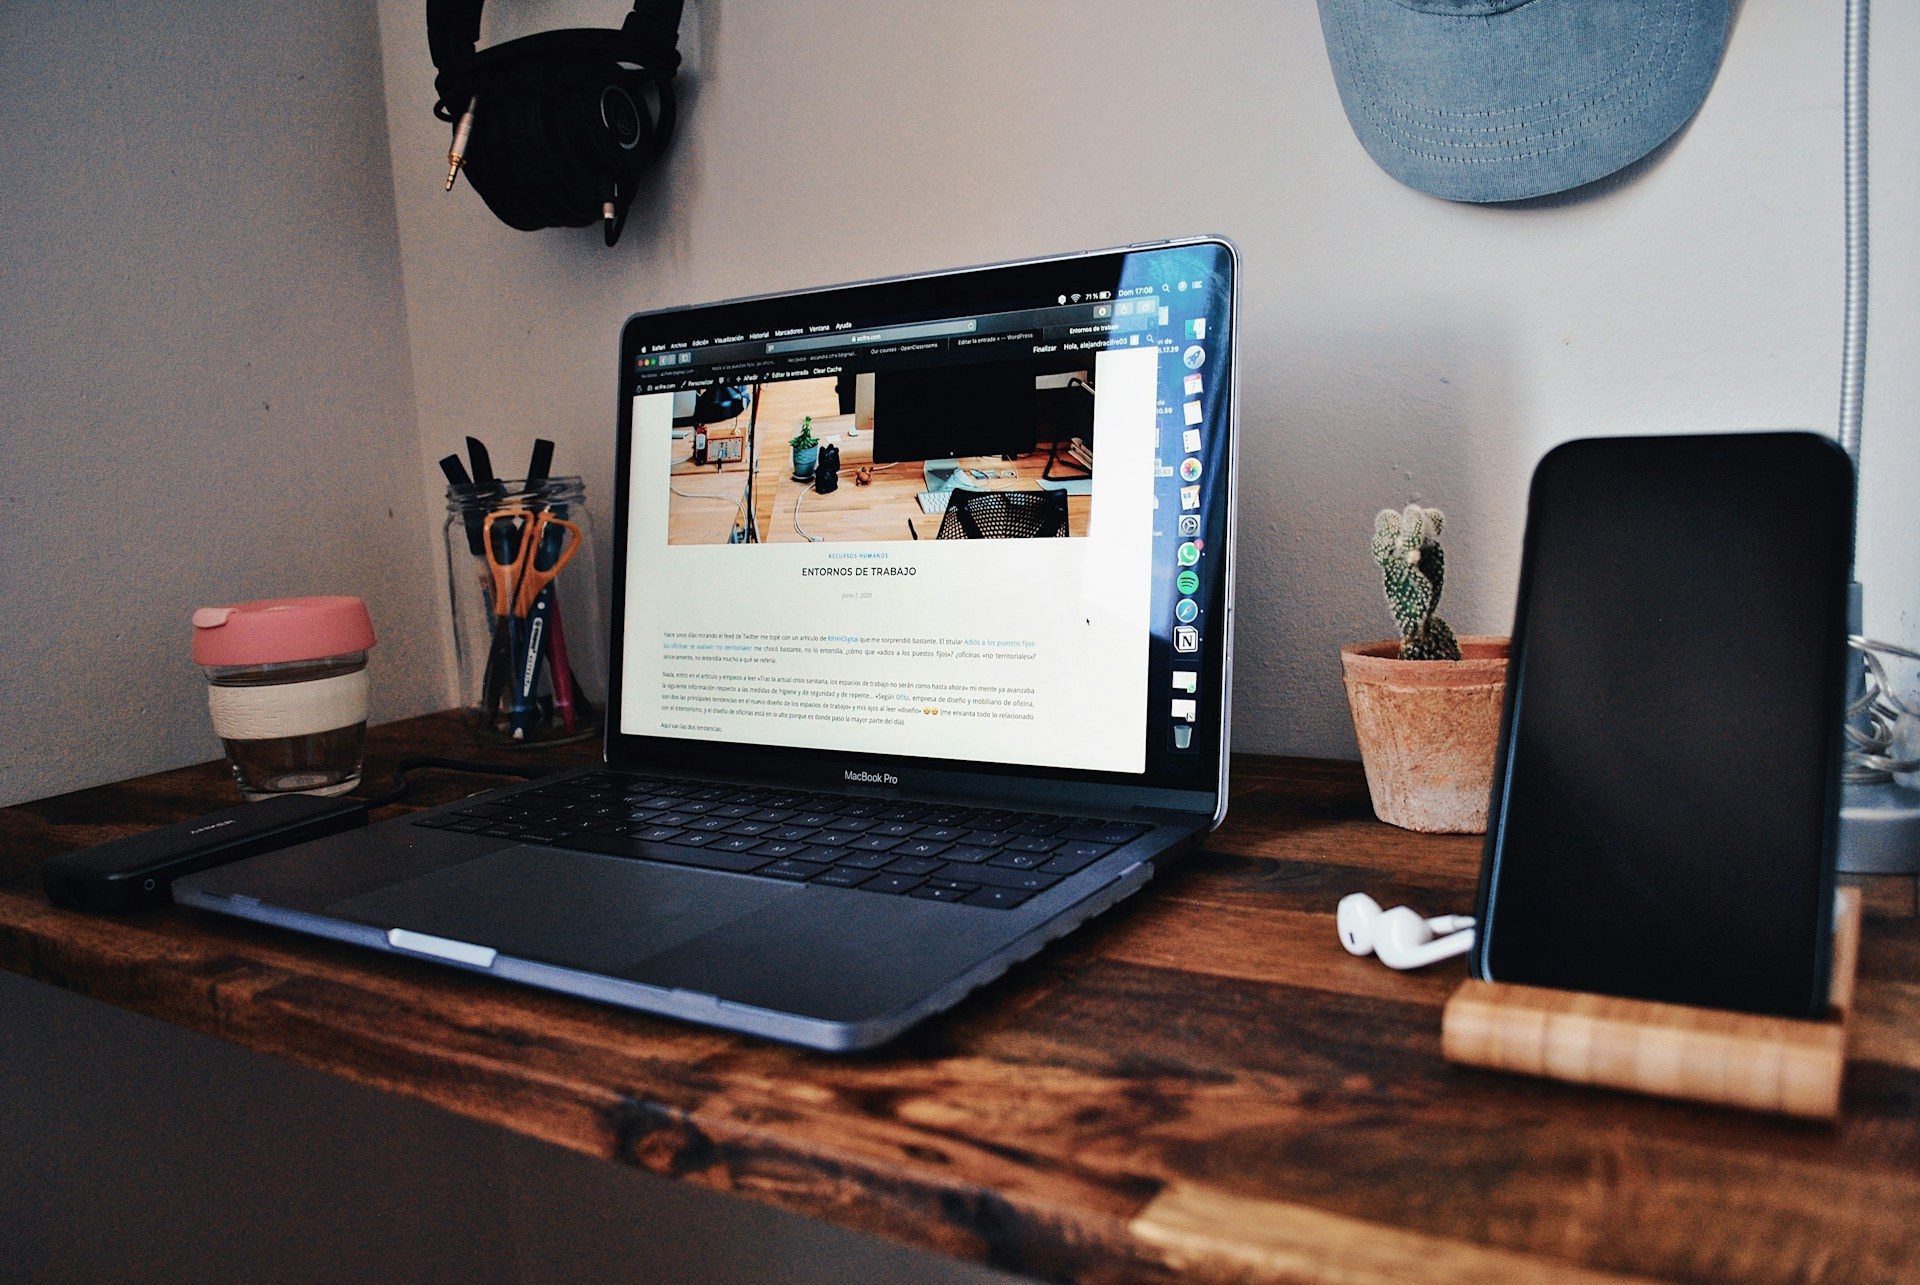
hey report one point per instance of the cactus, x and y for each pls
(1406, 544)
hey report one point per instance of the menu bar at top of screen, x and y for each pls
(1134, 318)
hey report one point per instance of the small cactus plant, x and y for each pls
(1406, 544)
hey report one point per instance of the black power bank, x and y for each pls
(138, 871)
(1667, 788)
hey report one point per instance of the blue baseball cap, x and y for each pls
(1501, 100)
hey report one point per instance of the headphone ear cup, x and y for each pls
(561, 162)
(542, 157)
(632, 130)
(494, 159)
(563, 124)
(581, 152)
(632, 134)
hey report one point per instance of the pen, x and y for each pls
(483, 477)
(501, 540)
(544, 617)
(547, 544)
(457, 478)
(541, 461)
(470, 517)
(531, 645)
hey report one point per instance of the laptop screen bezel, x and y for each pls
(960, 289)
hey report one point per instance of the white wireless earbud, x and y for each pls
(1357, 916)
(1400, 937)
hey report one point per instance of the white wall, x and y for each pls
(206, 395)
(1395, 346)
(208, 392)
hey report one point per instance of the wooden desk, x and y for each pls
(1202, 1081)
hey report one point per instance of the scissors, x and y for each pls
(526, 551)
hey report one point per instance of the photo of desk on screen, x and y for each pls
(994, 450)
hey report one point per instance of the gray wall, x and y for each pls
(1396, 346)
(206, 394)
(211, 366)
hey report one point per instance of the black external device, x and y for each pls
(945, 412)
(138, 871)
(1667, 787)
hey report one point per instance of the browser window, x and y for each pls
(977, 536)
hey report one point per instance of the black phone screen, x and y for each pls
(1665, 800)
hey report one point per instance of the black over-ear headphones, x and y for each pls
(555, 129)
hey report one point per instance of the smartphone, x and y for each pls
(1667, 786)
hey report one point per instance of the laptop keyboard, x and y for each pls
(932, 851)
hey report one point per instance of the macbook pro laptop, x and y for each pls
(882, 718)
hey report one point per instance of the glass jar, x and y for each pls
(287, 690)
(524, 586)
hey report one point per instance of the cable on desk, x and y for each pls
(422, 763)
(796, 518)
(1873, 721)
(695, 495)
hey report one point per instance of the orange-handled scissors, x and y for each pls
(523, 558)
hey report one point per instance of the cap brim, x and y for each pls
(1544, 97)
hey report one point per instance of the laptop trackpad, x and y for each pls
(573, 909)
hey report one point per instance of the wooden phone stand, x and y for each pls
(1772, 1064)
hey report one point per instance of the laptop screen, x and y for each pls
(971, 519)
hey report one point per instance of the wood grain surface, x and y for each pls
(1201, 1084)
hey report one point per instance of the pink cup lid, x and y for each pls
(276, 630)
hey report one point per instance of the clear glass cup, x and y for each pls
(530, 650)
(294, 727)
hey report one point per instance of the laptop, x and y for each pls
(860, 758)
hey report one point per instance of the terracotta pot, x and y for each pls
(1427, 731)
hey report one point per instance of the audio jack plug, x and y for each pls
(457, 153)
